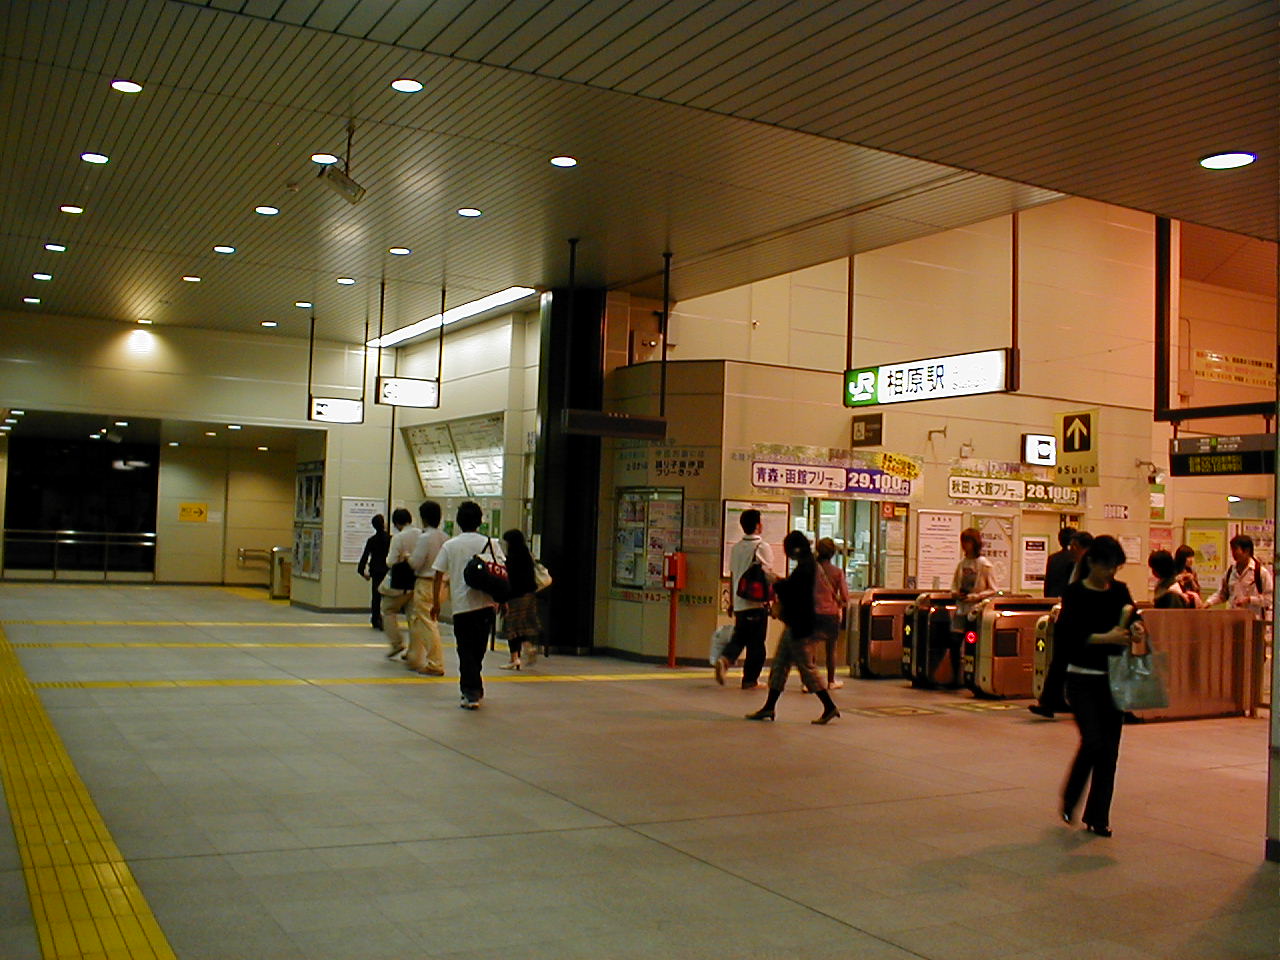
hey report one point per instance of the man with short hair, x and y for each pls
(395, 598)
(1057, 569)
(426, 655)
(1053, 696)
(1247, 583)
(750, 617)
(473, 610)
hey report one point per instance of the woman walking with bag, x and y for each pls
(521, 618)
(831, 598)
(1094, 624)
(795, 599)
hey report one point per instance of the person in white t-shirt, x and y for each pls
(750, 617)
(473, 610)
(397, 598)
(426, 655)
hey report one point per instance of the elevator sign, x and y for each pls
(936, 378)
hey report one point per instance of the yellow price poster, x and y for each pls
(193, 512)
(897, 465)
(1209, 540)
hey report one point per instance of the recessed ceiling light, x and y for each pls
(95, 436)
(266, 211)
(30, 299)
(42, 276)
(304, 304)
(269, 323)
(126, 86)
(233, 426)
(346, 281)
(71, 208)
(564, 161)
(10, 420)
(145, 322)
(262, 448)
(399, 251)
(1231, 499)
(405, 85)
(17, 413)
(468, 212)
(98, 158)
(55, 247)
(191, 279)
(5, 427)
(210, 433)
(122, 423)
(1227, 161)
(324, 159)
(223, 248)
(173, 443)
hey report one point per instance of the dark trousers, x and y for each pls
(749, 629)
(1100, 725)
(1052, 696)
(375, 599)
(471, 632)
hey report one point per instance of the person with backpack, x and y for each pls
(750, 574)
(1247, 583)
(474, 610)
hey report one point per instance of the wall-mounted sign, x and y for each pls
(839, 479)
(1012, 490)
(336, 410)
(1115, 511)
(193, 513)
(1220, 456)
(1077, 437)
(407, 392)
(1040, 449)
(1231, 368)
(868, 430)
(935, 378)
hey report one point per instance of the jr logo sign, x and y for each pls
(860, 387)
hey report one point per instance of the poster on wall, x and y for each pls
(648, 523)
(1209, 540)
(357, 527)
(775, 518)
(308, 499)
(1160, 538)
(307, 541)
(1035, 556)
(997, 546)
(937, 548)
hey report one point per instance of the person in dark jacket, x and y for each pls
(373, 566)
(1057, 570)
(1052, 697)
(795, 597)
(1096, 622)
(521, 617)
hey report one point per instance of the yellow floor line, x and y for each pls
(173, 623)
(84, 899)
(252, 593)
(360, 681)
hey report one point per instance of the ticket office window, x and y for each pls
(857, 530)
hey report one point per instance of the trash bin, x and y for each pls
(281, 572)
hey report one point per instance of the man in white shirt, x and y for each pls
(750, 618)
(395, 598)
(473, 610)
(426, 655)
(1247, 582)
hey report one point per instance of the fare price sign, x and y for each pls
(838, 479)
(935, 378)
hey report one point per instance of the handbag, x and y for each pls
(754, 583)
(487, 576)
(401, 576)
(1137, 680)
(541, 576)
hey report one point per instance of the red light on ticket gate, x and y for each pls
(970, 637)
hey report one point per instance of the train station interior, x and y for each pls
(620, 272)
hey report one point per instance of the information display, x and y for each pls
(459, 458)
(1223, 456)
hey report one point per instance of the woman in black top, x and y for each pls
(796, 601)
(521, 617)
(1092, 626)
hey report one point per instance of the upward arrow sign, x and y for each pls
(1075, 434)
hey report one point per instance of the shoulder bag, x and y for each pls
(401, 576)
(1137, 680)
(754, 583)
(541, 576)
(487, 576)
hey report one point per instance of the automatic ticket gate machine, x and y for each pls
(1044, 650)
(998, 657)
(875, 640)
(926, 637)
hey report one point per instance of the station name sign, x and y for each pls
(1253, 453)
(935, 378)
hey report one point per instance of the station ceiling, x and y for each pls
(747, 138)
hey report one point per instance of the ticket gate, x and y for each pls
(926, 635)
(875, 640)
(1044, 650)
(998, 657)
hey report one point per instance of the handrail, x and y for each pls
(94, 540)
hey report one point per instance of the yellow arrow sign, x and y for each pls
(193, 512)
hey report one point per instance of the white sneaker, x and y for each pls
(835, 684)
(466, 704)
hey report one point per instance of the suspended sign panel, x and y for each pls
(936, 378)
(408, 392)
(1223, 456)
(336, 410)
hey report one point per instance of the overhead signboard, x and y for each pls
(1040, 449)
(1253, 453)
(408, 392)
(336, 410)
(934, 378)
(1077, 440)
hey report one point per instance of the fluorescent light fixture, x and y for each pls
(304, 304)
(122, 423)
(71, 208)
(17, 413)
(346, 281)
(264, 448)
(210, 433)
(145, 322)
(126, 86)
(1232, 499)
(266, 211)
(98, 158)
(95, 436)
(224, 248)
(323, 158)
(399, 251)
(55, 247)
(408, 392)
(564, 161)
(173, 443)
(270, 323)
(1227, 161)
(42, 276)
(30, 299)
(5, 427)
(191, 279)
(453, 315)
(234, 426)
(405, 85)
(336, 410)
(10, 419)
(469, 212)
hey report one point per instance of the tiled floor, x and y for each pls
(269, 808)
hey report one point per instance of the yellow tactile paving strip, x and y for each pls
(84, 900)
